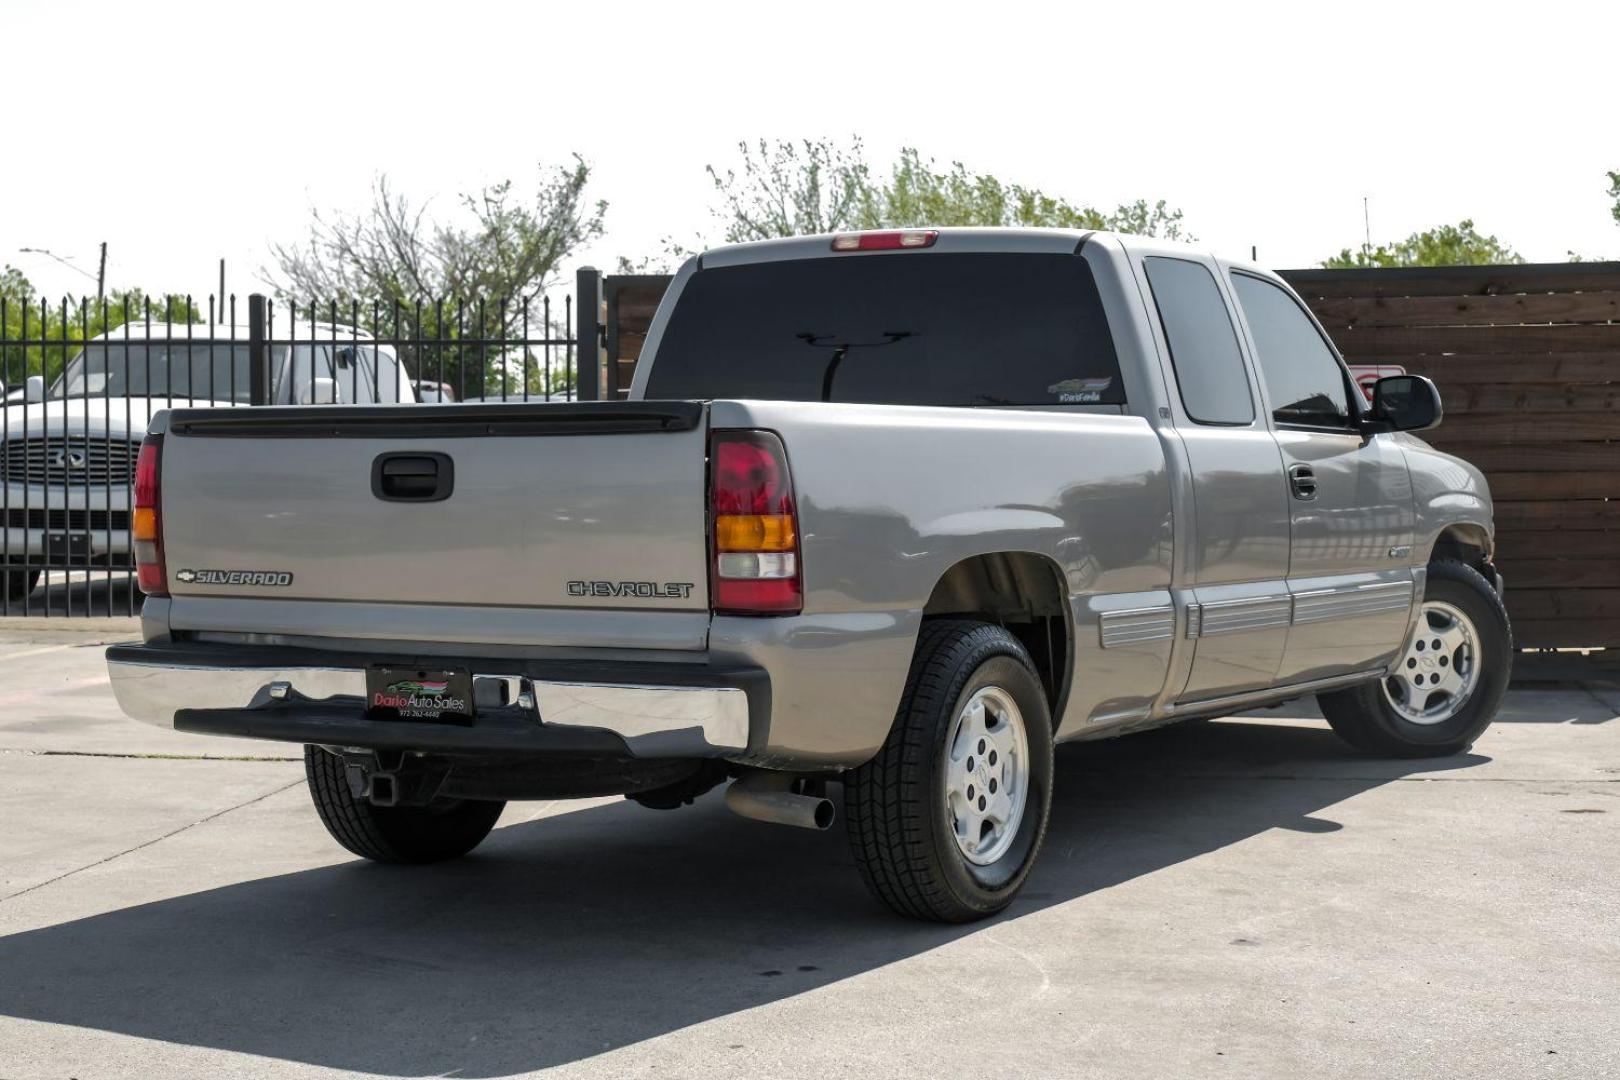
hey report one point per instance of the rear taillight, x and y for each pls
(755, 568)
(148, 522)
(885, 241)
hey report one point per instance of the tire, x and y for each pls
(1371, 718)
(443, 829)
(19, 583)
(906, 806)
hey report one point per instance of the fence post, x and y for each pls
(588, 334)
(258, 353)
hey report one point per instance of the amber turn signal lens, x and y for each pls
(753, 532)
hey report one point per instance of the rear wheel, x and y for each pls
(947, 819)
(19, 583)
(1449, 681)
(443, 829)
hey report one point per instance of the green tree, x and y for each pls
(919, 192)
(784, 188)
(502, 247)
(1614, 193)
(1446, 245)
(793, 189)
(38, 336)
(475, 277)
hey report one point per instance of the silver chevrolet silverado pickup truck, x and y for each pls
(893, 511)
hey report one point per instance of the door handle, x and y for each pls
(413, 476)
(1302, 481)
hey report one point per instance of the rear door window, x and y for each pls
(1203, 343)
(904, 329)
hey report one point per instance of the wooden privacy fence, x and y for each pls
(1527, 359)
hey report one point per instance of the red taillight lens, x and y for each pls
(885, 241)
(754, 567)
(750, 474)
(148, 520)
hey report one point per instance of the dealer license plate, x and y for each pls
(419, 695)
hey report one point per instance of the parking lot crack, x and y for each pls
(148, 843)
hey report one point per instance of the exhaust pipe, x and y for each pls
(769, 796)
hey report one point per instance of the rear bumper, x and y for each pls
(540, 707)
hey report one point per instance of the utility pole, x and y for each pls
(1366, 225)
(101, 278)
(222, 284)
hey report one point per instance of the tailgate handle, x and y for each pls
(413, 476)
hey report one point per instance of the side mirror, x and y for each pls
(319, 391)
(1406, 403)
(34, 389)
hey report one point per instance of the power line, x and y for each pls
(67, 262)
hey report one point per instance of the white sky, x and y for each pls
(182, 133)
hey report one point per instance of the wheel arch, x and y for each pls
(1024, 592)
(1469, 543)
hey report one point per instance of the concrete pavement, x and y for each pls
(1244, 898)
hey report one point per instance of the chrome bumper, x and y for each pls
(653, 721)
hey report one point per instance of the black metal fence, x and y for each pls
(82, 379)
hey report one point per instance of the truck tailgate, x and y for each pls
(594, 506)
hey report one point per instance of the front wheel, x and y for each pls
(443, 829)
(947, 819)
(1449, 681)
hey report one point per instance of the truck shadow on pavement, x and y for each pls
(569, 936)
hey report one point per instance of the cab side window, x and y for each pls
(1303, 377)
(1203, 343)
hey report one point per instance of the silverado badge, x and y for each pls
(234, 577)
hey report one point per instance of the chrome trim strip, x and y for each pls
(654, 721)
(1137, 625)
(1234, 616)
(1355, 600)
(1317, 605)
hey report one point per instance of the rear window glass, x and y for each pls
(904, 329)
(1203, 345)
